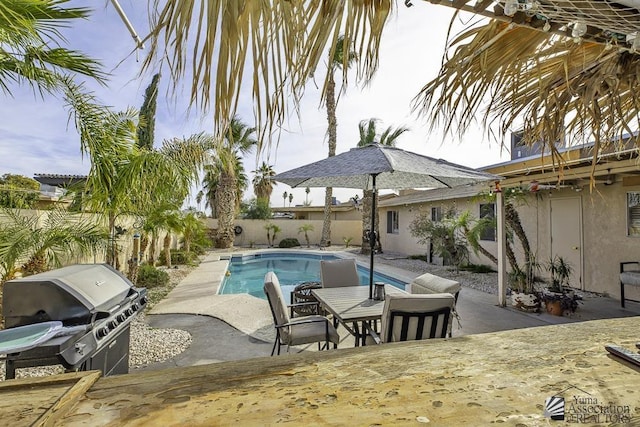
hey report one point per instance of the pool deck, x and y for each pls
(197, 295)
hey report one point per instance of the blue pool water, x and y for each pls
(246, 273)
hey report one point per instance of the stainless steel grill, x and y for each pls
(95, 304)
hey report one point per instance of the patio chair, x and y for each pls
(629, 277)
(413, 317)
(301, 330)
(339, 272)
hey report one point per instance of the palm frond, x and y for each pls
(280, 43)
(558, 91)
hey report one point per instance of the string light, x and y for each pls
(579, 29)
(510, 7)
(634, 40)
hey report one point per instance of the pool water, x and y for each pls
(245, 274)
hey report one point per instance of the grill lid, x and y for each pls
(74, 292)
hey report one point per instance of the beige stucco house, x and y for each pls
(594, 225)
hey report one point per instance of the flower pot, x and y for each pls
(554, 307)
(525, 302)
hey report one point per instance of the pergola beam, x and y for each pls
(559, 18)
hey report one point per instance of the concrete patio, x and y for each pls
(236, 327)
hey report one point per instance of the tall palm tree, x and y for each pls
(30, 45)
(340, 57)
(369, 135)
(230, 176)
(262, 181)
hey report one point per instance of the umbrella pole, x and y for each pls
(372, 235)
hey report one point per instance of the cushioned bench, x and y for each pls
(629, 277)
(432, 284)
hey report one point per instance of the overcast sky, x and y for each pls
(35, 136)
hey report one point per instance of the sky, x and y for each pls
(37, 137)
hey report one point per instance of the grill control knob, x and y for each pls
(135, 307)
(143, 300)
(113, 324)
(121, 317)
(129, 312)
(102, 332)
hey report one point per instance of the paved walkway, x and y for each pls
(234, 327)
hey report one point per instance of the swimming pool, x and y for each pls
(245, 274)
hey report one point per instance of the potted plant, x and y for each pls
(523, 291)
(559, 297)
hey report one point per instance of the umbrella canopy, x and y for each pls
(395, 169)
(376, 166)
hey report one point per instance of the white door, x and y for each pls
(566, 235)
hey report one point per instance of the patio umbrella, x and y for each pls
(375, 167)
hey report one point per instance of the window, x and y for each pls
(488, 210)
(633, 214)
(436, 214)
(393, 226)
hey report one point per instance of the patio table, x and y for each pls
(351, 305)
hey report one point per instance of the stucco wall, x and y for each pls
(124, 242)
(604, 232)
(405, 243)
(254, 233)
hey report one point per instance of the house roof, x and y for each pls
(436, 194)
(59, 180)
(577, 165)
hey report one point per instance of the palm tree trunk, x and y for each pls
(112, 246)
(152, 248)
(367, 200)
(226, 199)
(332, 131)
(167, 249)
(513, 220)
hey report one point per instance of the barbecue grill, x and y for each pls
(91, 307)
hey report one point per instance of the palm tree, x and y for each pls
(290, 199)
(305, 228)
(30, 45)
(231, 178)
(40, 247)
(192, 229)
(307, 190)
(284, 199)
(262, 181)
(123, 178)
(340, 57)
(369, 135)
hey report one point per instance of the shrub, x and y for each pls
(149, 277)
(179, 257)
(478, 268)
(420, 257)
(289, 242)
